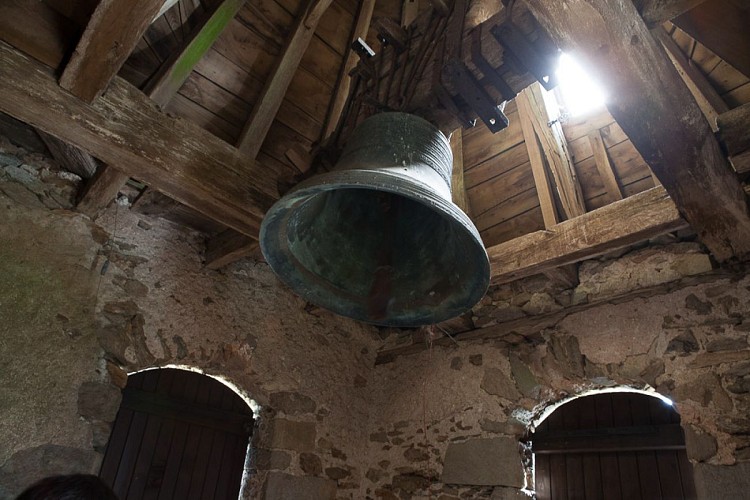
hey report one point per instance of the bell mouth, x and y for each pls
(376, 246)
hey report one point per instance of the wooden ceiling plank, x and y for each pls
(656, 12)
(542, 182)
(123, 128)
(620, 224)
(604, 166)
(705, 95)
(721, 26)
(110, 36)
(360, 29)
(654, 108)
(276, 85)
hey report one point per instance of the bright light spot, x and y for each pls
(580, 93)
(667, 401)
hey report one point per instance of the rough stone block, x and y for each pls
(99, 401)
(292, 403)
(280, 486)
(497, 383)
(719, 482)
(484, 462)
(700, 445)
(502, 493)
(271, 459)
(32, 464)
(291, 435)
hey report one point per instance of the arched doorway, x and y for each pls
(613, 446)
(178, 434)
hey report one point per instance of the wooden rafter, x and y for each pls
(361, 26)
(555, 149)
(710, 102)
(604, 166)
(536, 159)
(654, 108)
(265, 109)
(162, 87)
(173, 73)
(124, 128)
(110, 36)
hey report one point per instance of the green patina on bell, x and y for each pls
(378, 238)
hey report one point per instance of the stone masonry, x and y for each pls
(83, 303)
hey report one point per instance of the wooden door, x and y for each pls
(612, 446)
(178, 434)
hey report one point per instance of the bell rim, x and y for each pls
(367, 179)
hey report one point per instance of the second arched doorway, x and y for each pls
(613, 446)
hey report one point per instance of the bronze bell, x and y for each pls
(378, 239)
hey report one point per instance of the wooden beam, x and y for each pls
(458, 189)
(555, 148)
(536, 159)
(409, 12)
(710, 102)
(227, 247)
(620, 224)
(267, 105)
(100, 191)
(651, 104)
(124, 128)
(70, 158)
(656, 12)
(721, 26)
(163, 86)
(361, 27)
(111, 35)
(609, 439)
(173, 73)
(38, 30)
(603, 166)
(734, 131)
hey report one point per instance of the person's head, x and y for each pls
(73, 487)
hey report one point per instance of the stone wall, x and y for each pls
(444, 423)
(70, 333)
(451, 419)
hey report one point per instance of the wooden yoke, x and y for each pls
(452, 70)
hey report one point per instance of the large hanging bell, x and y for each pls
(378, 239)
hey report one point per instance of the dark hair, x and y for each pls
(73, 487)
